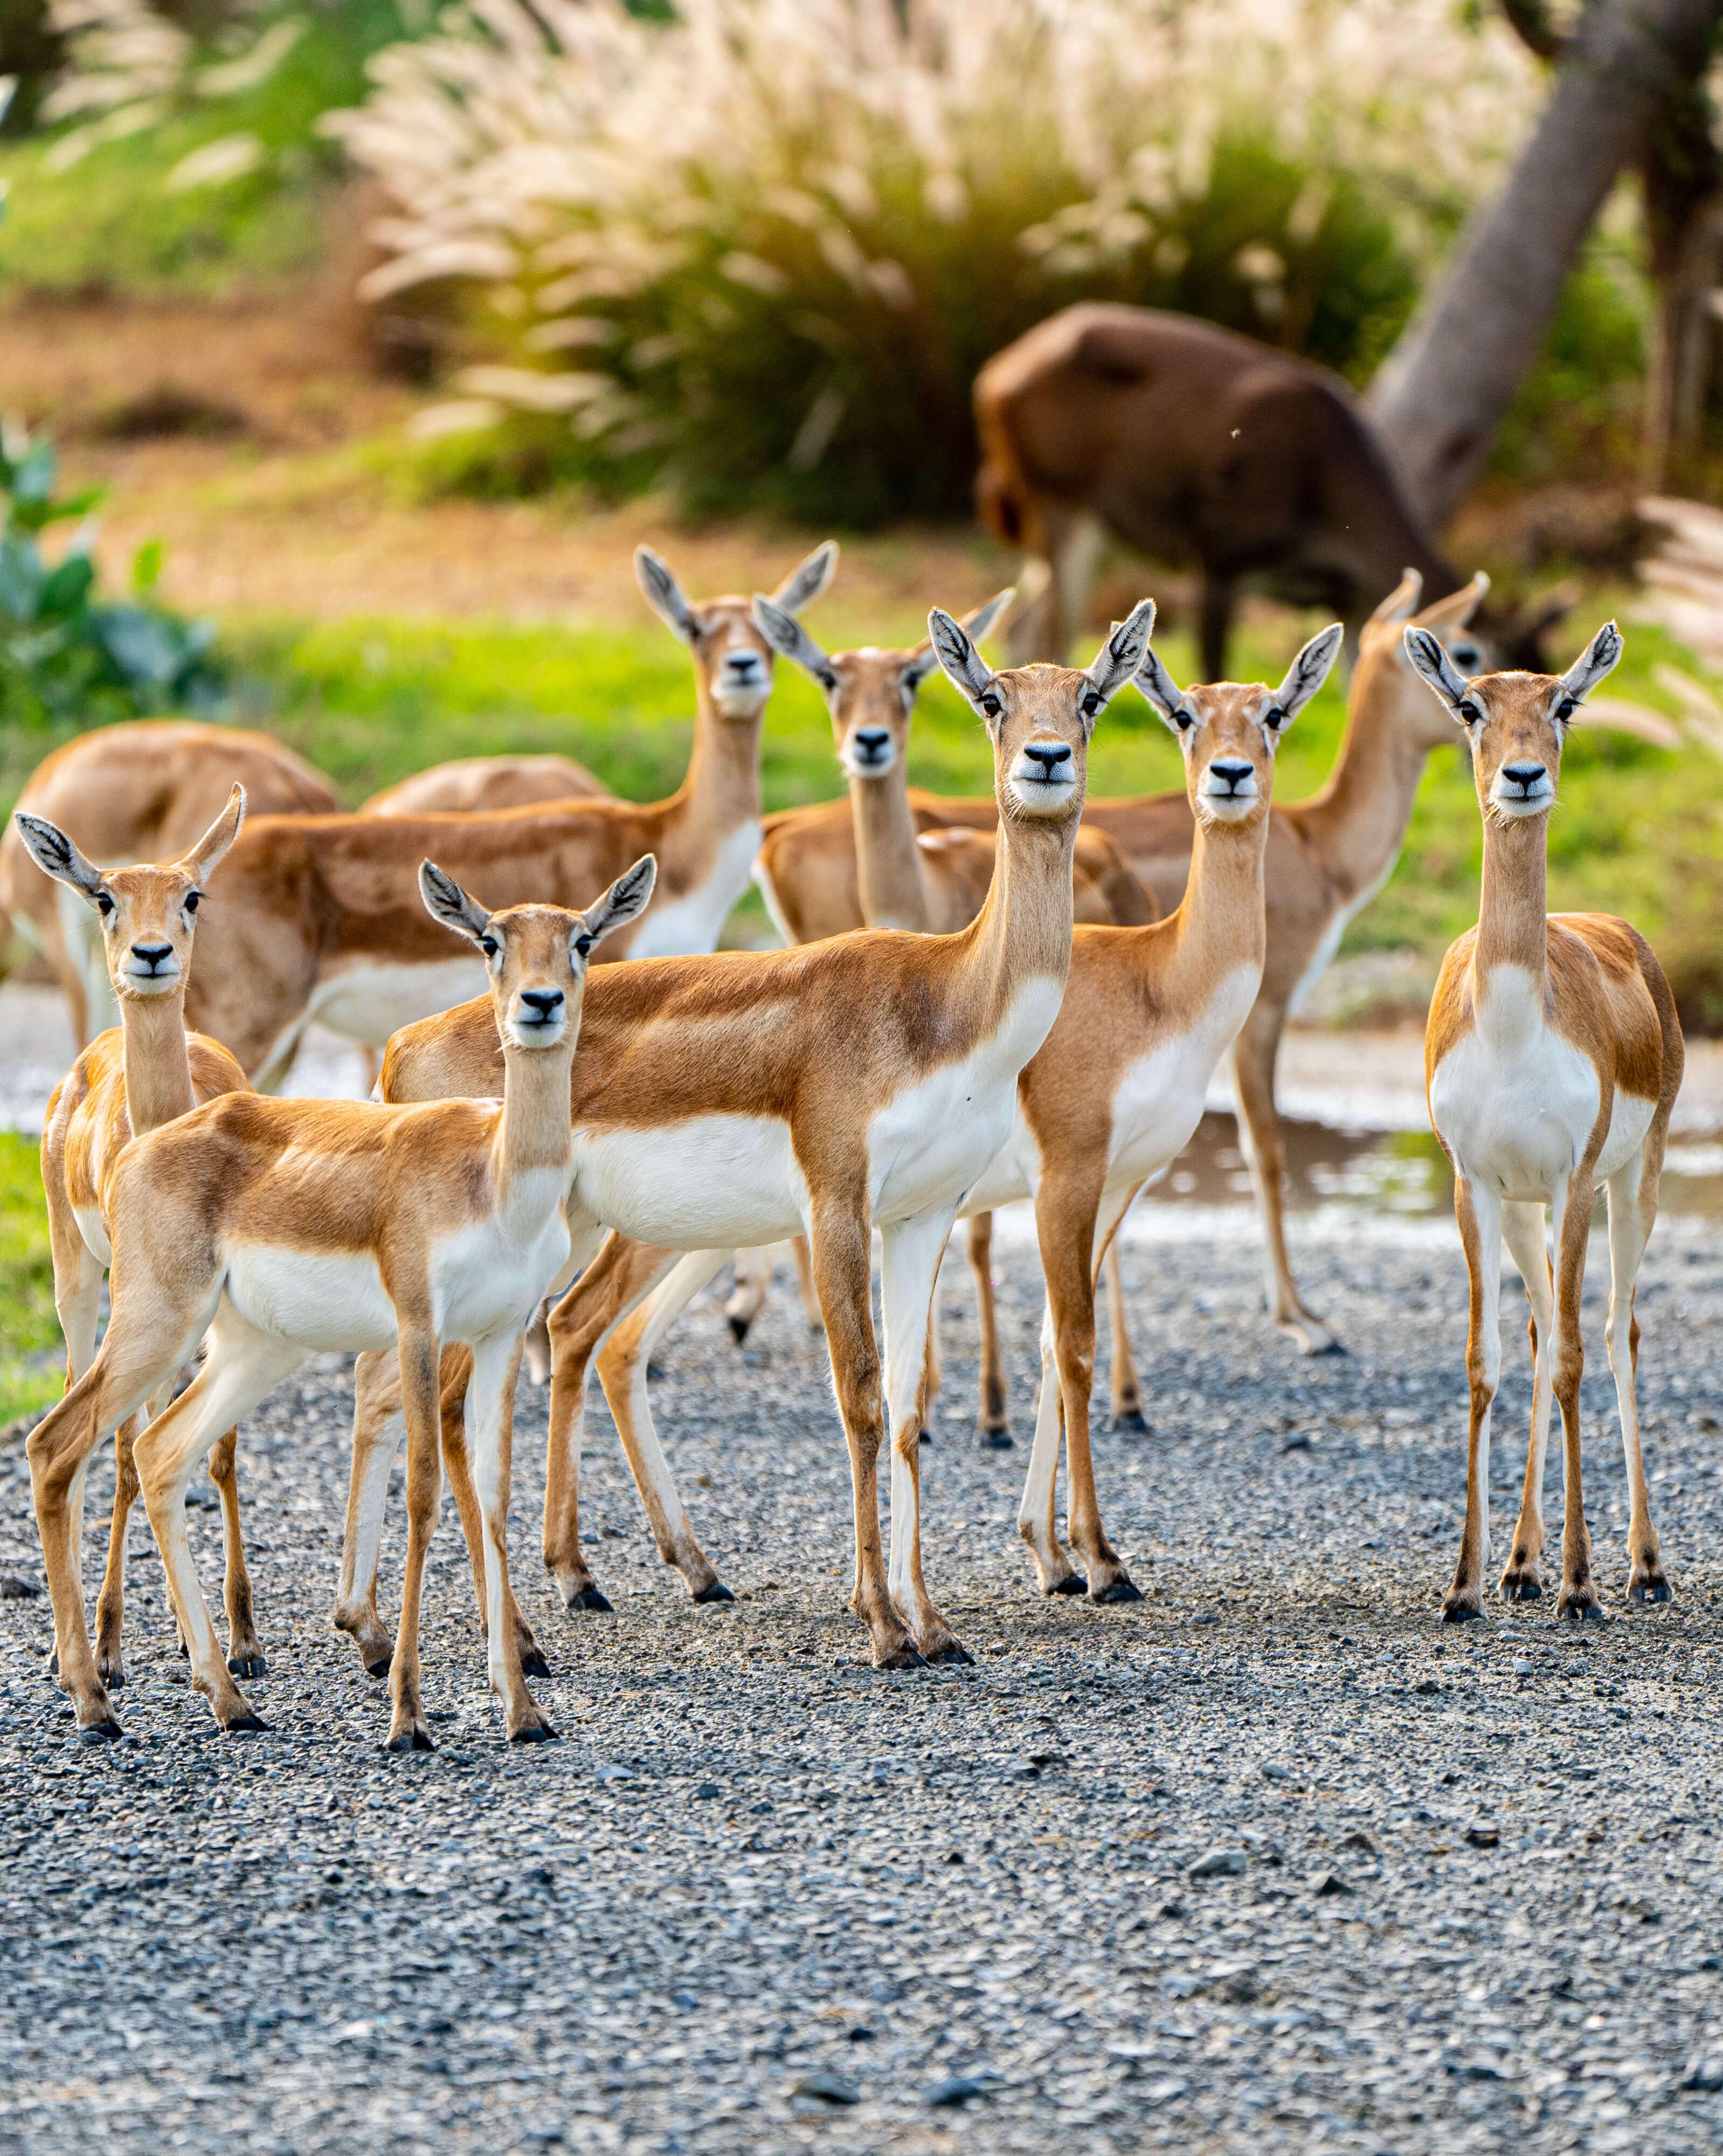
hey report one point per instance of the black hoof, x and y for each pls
(380, 1669)
(1130, 1418)
(1658, 1591)
(589, 1598)
(244, 1725)
(717, 1592)
(411, 1740)
(993, 1440)
(1582, 1613)
(106, 1732)
(1331, 1347)
(899, 1658)
(1461, 1613)
(247, 1665)
(1120, 1590)
(738, 1329)
(952, 1658)
(1522, 1590)
(536, 1732)
(113, 1679)
(533, 1663)
(1074, 1583)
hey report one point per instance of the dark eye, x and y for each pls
(582, 944)
(1565, 709)
(992, 706)
(1470, 711)
(104, 904)
(192, 899)
(1274, 716)
(488, 945)
(1091, 704)
(1183, 721)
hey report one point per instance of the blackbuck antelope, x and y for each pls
(318, 919)
(865, 1080)
(141, 791)
(131, 1079)
(1553, 1057)
(469, 783)
(1105, 1104)
(283, 1228)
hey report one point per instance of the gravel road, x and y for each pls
(1464, 1890)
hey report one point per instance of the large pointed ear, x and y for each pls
(924, 658)
(1402, 603)
(626, 898)
(1600, 658)
(1120, 658)
(1306, 675)
(1458, 607)
(1429, 655)
(964, 664)
(663, 595)
(199, 860)
(808, 579)
(54, 855)
(447, 902)
(789, 640)
(1164, 693)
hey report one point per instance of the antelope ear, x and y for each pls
(201, 858)
(1600, 658)
(1307, 673)
(1429, 655)
(924, 659)
(789, 640)
(808, 579)
(663, 595)
(1458, 607)
(1402, 603)
(447, 902)
(960, 659)
(1163, 692)
(626, 898)
(1121, 656)
(54, 855)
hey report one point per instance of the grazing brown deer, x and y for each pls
(1189, 443)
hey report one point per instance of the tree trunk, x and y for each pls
(1447, 385)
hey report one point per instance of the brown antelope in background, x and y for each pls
(468, 784)
(131, 1079)
(864, 1080)
(141, 791)
(1106, 1104)
(1553, 1057)
(285, 1227)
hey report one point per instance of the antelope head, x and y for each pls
(730, 654)
(1229, 730)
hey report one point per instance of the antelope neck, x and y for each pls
(1513, 925)
(1360, 815)
(1220, 922)
(888, 861)
(1024, 926)
(154, 1057)
(719, 792)
(533, 1132)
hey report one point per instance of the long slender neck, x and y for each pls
(1357, 822)
(1220, 924)
(720, 791)
(1023, 930)
(155, 1059)
(888, 861)
(1513, 922)
(532, 1132)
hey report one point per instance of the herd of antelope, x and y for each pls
(1019, 996)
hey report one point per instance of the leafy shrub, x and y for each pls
(65, 653)
(761, 249)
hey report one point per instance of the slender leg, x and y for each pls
(1037, 1514)
(1254, 1057)
(489, 1420)
(538, 1346)
(911, 1251)
(1073, 1241)
(408, 1728)
(111, 1602)
(1630, 1220)
(1479, 1213)
(377, 1424)
(992, 1425)
(242, 1366)
(753, 1284)
(245, 1651)
(622, 1359)
(77, 1302)
(1523, 1232)
(804, 1282)
(1571, 1223)
(1125, 1401)
(841, 1240)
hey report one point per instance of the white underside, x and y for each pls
(1323, 957)
(1515, 1103)
(367, 999)
(90, 1228)
(691, 925)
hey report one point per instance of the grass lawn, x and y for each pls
(32, 1358)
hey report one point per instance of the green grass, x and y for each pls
(32, 1362)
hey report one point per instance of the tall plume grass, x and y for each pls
(759, 251)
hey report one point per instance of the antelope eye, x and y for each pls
(1091, 704)
(1470, 711)
(582, 944)
(1183, 719)
(992, 706)
(1565, 709)
(191, 900)
(1274, 716)
(104, 904)
(489, 946)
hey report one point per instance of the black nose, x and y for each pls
(544, 1003)
(153, 954)
(1049, 755)
(742, 662)
(1525, 776)
(1235, 770)
(871, 741)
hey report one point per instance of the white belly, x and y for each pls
(1515, 1104)
(96, 1235)
(679, 927)
(490, 1275)
(713, 1183)
(369, 999)
(1161, 1095)
(319, 1300)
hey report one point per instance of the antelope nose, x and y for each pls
(153, 954)
(1232, 770)
(1525, 776)
(542, 1003)
(871, 743)
(742, 663)
(1051, 756)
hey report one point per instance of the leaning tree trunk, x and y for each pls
(1447, 384)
